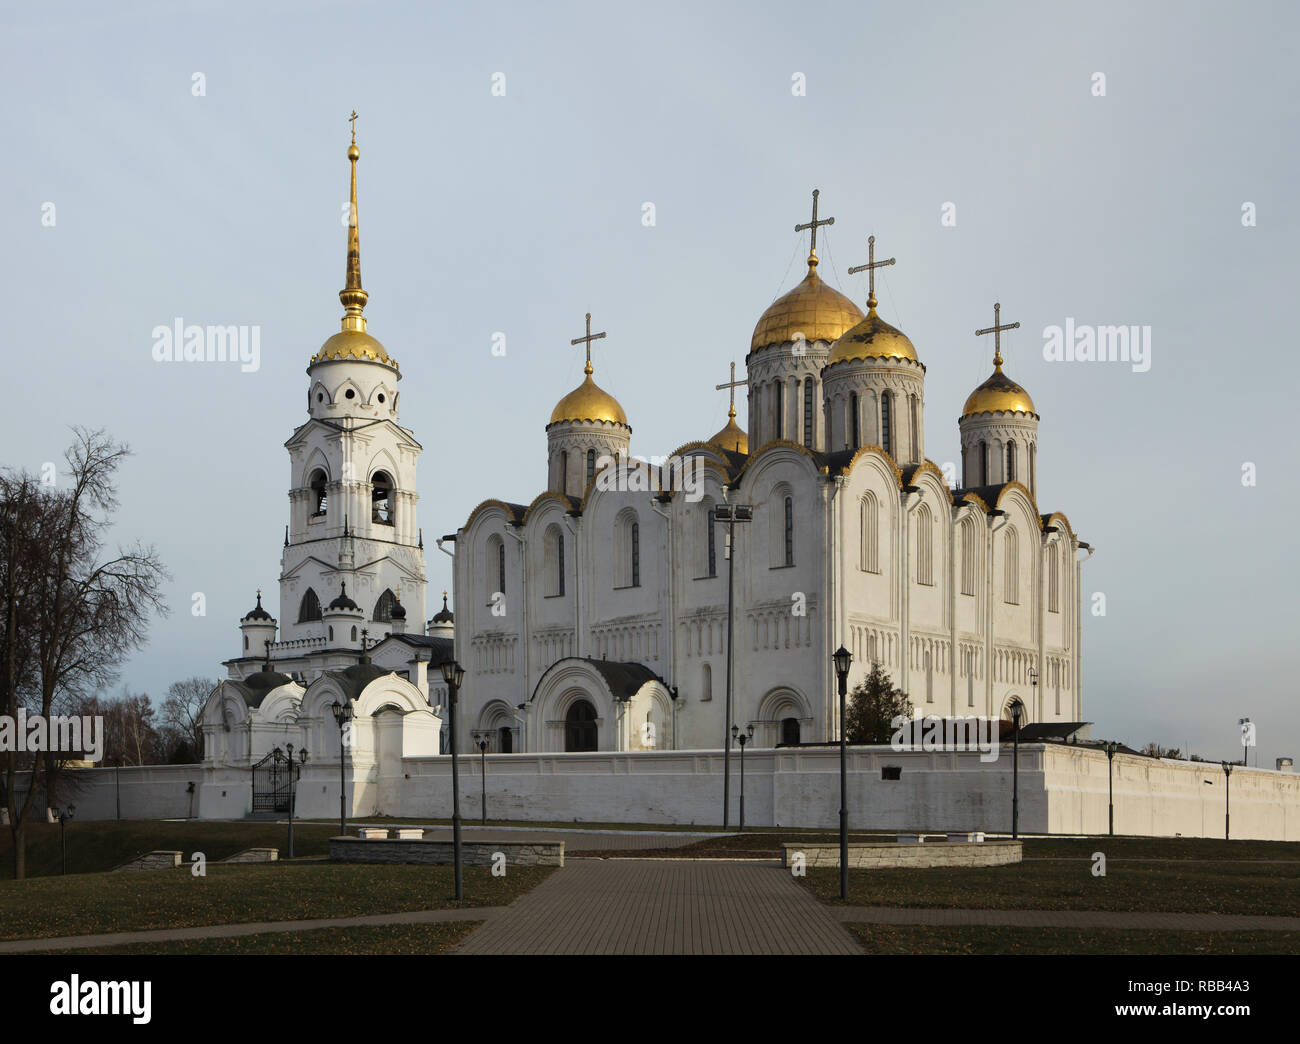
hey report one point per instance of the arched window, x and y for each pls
(789, 731)
(384, 608)
(309, 607)
(706, 684)
(855, 428)
(319, 497)
(331, 633)
(808, 412)
(554, 554)
(501, 566)
(711, 543)
(886, 428)
(245, 643)
(1033, 454)
(494, 568)
(924, 546)
(789, 531)
(591, 465)
(966, 532)
(916, 430)
(869, 515)
(778, 403)
(1011, 577)
(580, 727)
(1053, 582)
(984, 463)
(1011, 461)
(381, 499)
(354, 632)
(627, 549)
(505, 740)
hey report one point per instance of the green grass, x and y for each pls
(105, 844)
(1177, 886)
(882, 938)
(359, 941)
(86, 904)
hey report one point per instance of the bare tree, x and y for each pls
(72, 612)
(182, 715)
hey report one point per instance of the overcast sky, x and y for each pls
(519, 213)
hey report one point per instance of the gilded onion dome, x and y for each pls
(589, 402)
(873, 338)
(998, 394)
(812, 310)
(352, 341)
(732, 437)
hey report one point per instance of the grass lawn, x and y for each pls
(888, 938)
(84, 904)
(103, 844)
(366, 940)
(1186, 886)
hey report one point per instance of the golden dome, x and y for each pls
(589, 402)
(873, 338)
(812, 309)
(732, 437)
(999, 394)
(352, 344)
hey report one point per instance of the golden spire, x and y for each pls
(996, 330)
(870, 268)
(352, 295)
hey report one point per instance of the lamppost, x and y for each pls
(63, 815)
(1227, 796)
(453, 674)
(342, 715)
(843, 660)
(1110, 781)
(1033, 700)
(742, 738)
(730, 514)
(482, 738)
(292, 768)
(1015, 770)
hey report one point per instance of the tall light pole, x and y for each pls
(342, 715)
(730, 514)
(843, 660)
(1227, 796)
(1110, 782)
(1015, 770)
(742, 738)
(291, 767)
(453, 674)
(482, 739)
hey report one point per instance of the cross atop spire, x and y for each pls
(870, 268)
(588, 338)
(732, 385)
(352, 295)
(814, 224)
(996, 330)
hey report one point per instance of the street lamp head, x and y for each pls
(843, 660)
(735, 731)
(452, 672)
(1015, 714)
(302, 756)
(1033, 675)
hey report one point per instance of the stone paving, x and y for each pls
(652, 906)
(1190, 922)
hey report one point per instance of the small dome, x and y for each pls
(732, 437)
(812, 309)
(343, 601)
(444, 615)
(999, 394)
(398, 613)
(353, 344)
(589, 402)
(257, 612)
(873, 338)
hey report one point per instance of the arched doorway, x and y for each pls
(580, 727)
(505, 740)
(790, 731)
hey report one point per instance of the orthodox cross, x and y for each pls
(733, 384)
(588, 338)
(353, 120)
(870, 268)
(996, 330)
(813, 224)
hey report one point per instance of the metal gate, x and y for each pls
(272, 784)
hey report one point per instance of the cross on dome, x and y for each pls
(732, 385)
(870, 268)
(996, 330)
(814, 224)
(588, 338)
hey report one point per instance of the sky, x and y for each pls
(171, 161)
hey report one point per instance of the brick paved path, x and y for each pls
(1191, 922)
(578, 840)
(645, 906)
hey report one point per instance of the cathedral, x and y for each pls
(596, 616)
